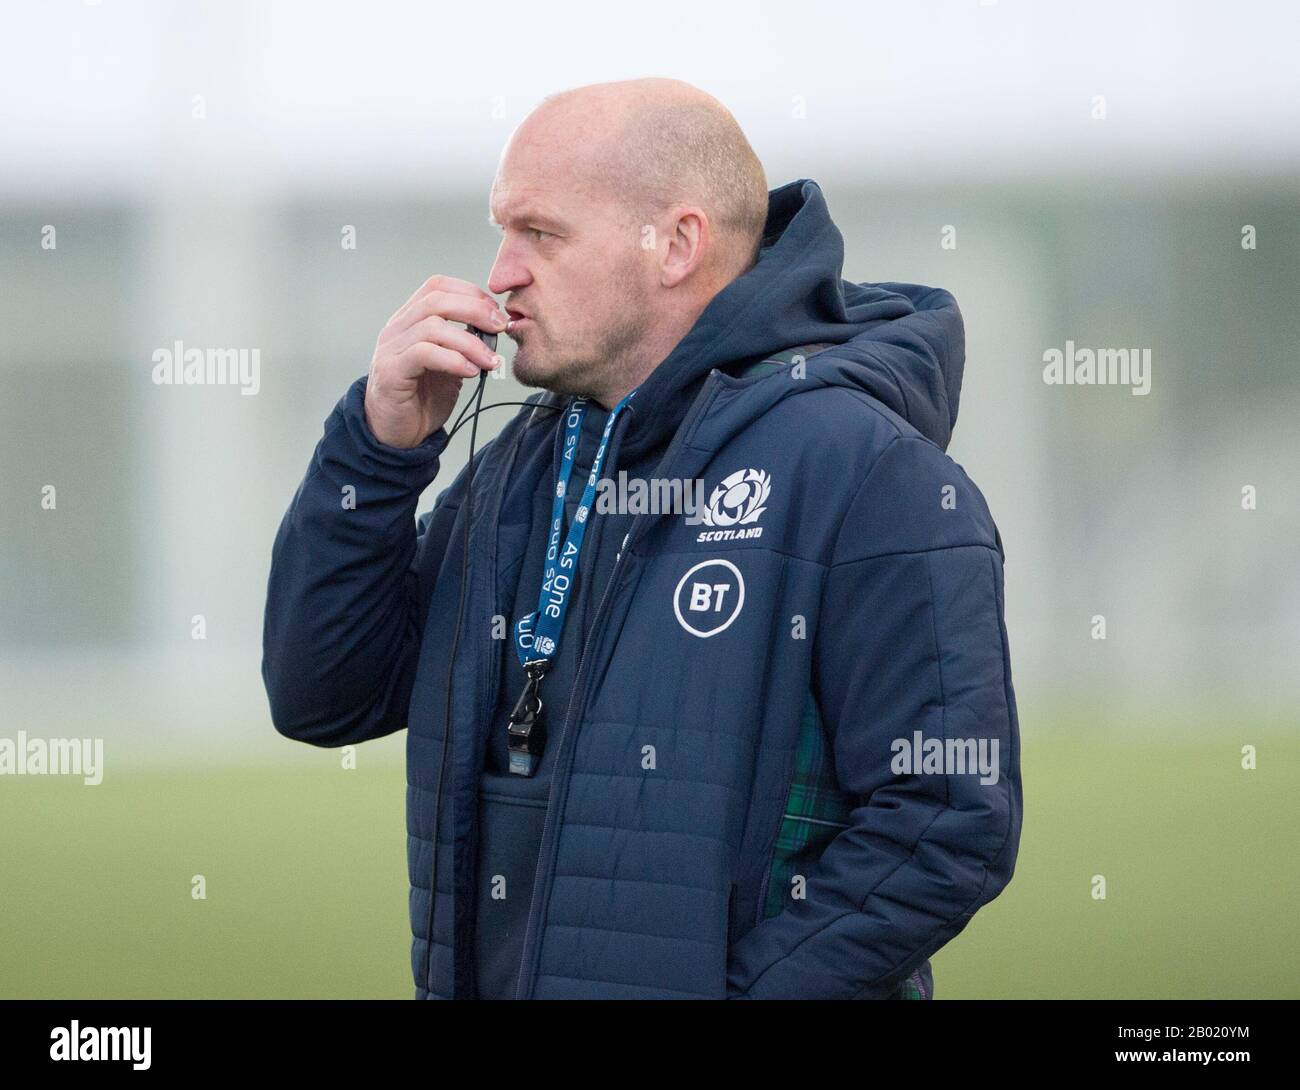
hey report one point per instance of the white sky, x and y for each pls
(312, 97)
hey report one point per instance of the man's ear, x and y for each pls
(690, 238)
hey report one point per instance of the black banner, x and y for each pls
(360, 1038)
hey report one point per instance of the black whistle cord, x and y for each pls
(463, 419)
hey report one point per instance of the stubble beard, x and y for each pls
(588, 364)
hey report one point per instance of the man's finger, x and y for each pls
(435, 330)
(483, 313)
(439, 282)
(425, 357)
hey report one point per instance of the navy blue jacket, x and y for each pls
(858, 573)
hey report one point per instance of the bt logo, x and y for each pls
(711, 594)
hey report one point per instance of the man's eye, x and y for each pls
(538, 234)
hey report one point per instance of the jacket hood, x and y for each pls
(901, 343)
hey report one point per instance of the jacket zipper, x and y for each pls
(552, 820)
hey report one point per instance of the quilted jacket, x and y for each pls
(728, 816)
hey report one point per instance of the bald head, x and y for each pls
(654, 143)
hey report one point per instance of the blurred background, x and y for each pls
(281, 176)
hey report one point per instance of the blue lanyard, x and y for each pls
(537, 636)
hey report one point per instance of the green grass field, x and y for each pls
(306, 879)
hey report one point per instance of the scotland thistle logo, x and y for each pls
(738, 499)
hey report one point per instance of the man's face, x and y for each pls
(572, 263)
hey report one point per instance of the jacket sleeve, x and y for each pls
(911, 646)
(351, 577)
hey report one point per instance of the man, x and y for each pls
(730, 754)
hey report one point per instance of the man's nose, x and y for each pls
(509, 272)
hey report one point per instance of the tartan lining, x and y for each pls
(816, 811)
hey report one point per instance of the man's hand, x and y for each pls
(421, 359)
